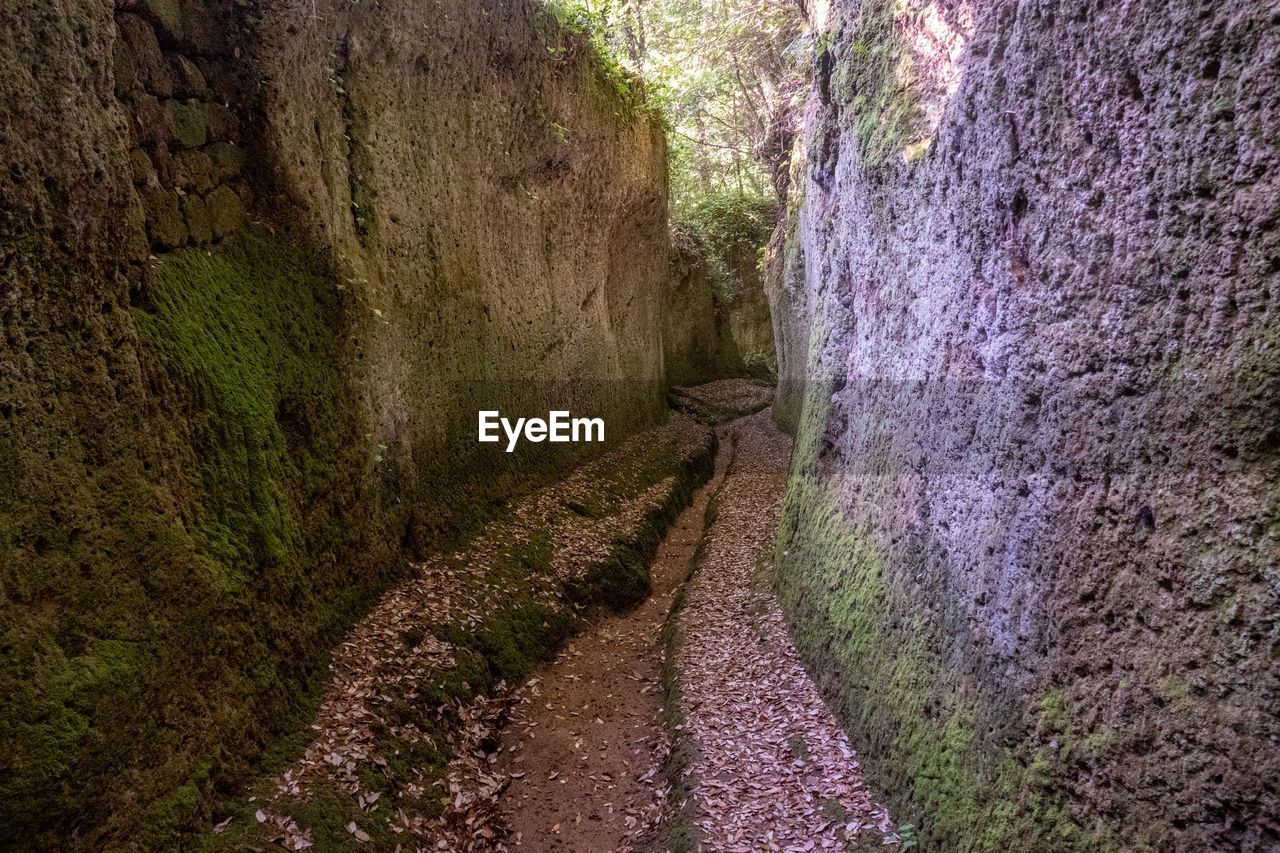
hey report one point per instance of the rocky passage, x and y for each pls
(418, 686)
(770, 768)
(263, 586)
(750, 758)
(585, 744)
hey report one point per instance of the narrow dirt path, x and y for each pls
(584, 743)
(770, 769)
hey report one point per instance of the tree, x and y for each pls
(730, 78)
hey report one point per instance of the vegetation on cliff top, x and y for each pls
(728, 78)
(732, 230)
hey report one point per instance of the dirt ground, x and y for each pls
(771, 769)
(585, 743)
(768, 767)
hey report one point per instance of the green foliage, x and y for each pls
(578, 26)
(727, 77)
(732, 229)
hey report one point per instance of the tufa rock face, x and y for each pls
(716, 322)
(1032, 536)
(497, 205)
(213, 459)
(697, 344)
(786, 291)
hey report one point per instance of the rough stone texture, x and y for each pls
(226, 213)
(211, 462)
(748, 337)
(785, 289)
(717, 321)
(196, 215)
(227, 159)
(187, 118)
(139, 46)
(446, 190)
(165, 224)
(1032, 537)
(751, 326)
(178, 122)
(697, 344)
(188, 82)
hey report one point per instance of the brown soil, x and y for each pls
(584, 744)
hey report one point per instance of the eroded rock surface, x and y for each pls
(1030, 544)
(261, 264)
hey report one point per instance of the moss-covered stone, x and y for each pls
(228, 160)
(148, 62)
(193, 171)
(165, 224)
(122, 67)
(226, 213)
(188, 81)
(188, 121)
(144, 173)
(151, 122)
(200, 477)
(1014, 578)
(167, 13)
(873, 81)
(137, 244)
(196, 216)
(219, 121)
(915, 730)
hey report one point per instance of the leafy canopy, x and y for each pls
(729, 77)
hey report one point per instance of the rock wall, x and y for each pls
(496, 202)
(185, 157)
(261, 263)
(697, 343)
(718, 322)
(786, 290)
(750, 322)
(714, 325)
(1032, 535)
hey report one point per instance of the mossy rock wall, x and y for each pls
(496, 200)
(697, 342)
(716, 321)
(260, 265)
(1031, 539)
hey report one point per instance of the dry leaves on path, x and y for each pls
(393, 693)
(585, 745)
(772, 770)
(722, 400)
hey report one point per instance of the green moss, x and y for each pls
(226, 213)
(924, 732)
(185, 611)
(875, 81)
(188, 120)
(1052, 710)
(731, 230)
(172, 813)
